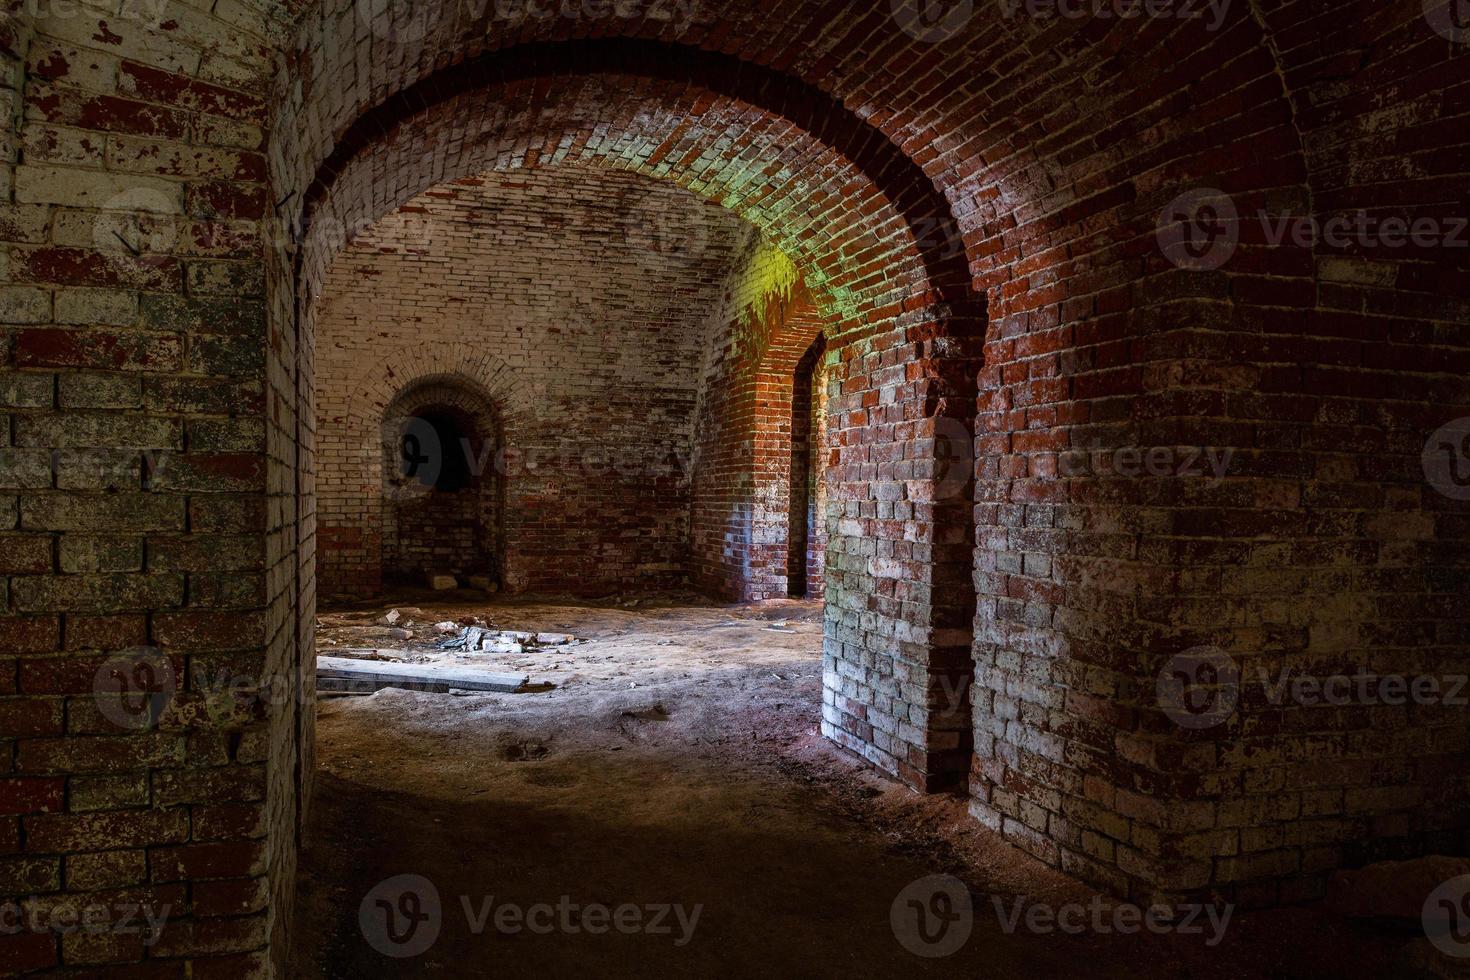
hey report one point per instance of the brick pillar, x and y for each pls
(145, 718)
(900, 595)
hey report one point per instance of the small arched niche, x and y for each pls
(441, 508)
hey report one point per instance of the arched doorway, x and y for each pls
(441, 504)
(905, 345)
(806, 545)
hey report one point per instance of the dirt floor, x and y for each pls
(672, 759)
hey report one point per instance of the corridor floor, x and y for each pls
(668, 808)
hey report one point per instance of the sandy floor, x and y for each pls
(677, 762)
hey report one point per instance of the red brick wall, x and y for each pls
(742, 471)
(135, 324)
(1321, 551)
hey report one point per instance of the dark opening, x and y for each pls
(441, 505)
(803, 472)
(431, 451)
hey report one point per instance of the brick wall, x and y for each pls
(134, 473)
(576, 302)
(743, 444)
(1319, 550)
(1021, 158)
(608, 481)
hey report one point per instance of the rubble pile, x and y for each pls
(472, 638)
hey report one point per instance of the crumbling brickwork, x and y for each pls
(134, 475)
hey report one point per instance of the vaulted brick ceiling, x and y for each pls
(1054, 142)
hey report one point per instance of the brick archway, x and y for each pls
(442, 492)
(1057, 143)
(350, 520)
(791, 335)
(883, 263)
(665, 75)
(358, 522)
